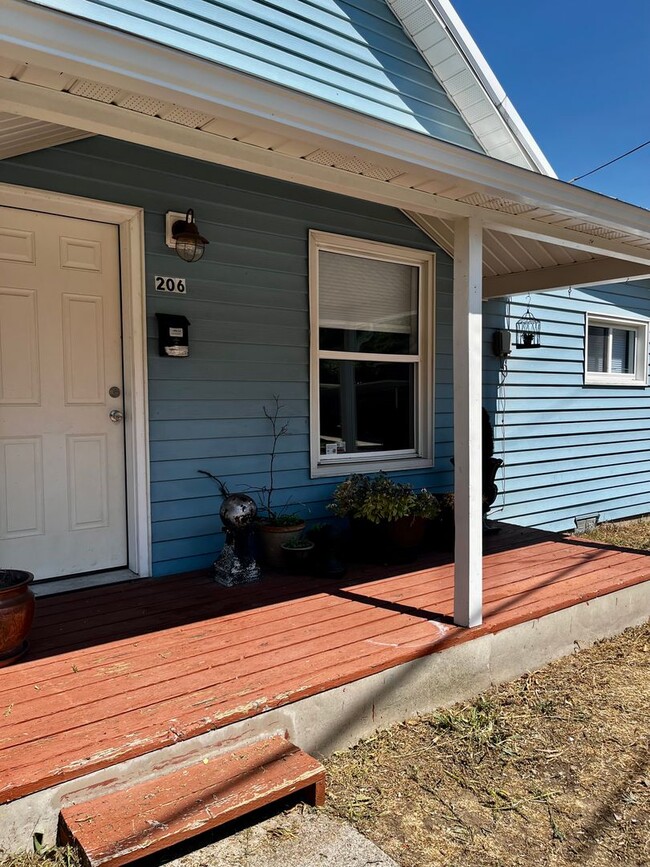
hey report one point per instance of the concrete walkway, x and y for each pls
(296, 839)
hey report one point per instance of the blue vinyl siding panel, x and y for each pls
(569, 449)
(247, 303)
(353, 54)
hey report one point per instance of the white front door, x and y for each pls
(62, 474)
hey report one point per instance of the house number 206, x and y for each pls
(171, 284)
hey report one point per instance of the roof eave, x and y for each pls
(481, 70)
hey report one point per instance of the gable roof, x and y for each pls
(447, 46)
(411, 63)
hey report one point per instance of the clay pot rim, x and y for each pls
(21, 578)
(286, 528)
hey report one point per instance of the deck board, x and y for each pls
(119, 671)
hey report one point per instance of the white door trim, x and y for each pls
(130, 222)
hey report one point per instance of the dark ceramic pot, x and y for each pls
(16, 613)
(407, 533)
(298, 560)
(272, 539)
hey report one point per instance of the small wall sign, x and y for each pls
(171, 284)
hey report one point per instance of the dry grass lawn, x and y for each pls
(551, 769)
(626, 534)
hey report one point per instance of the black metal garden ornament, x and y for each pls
(528, 330)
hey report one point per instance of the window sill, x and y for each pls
(388, 465)
(607, 380)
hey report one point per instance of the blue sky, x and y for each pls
(578, 72)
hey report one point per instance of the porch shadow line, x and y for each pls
(398, 607)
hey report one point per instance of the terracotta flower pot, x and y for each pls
(16, 613)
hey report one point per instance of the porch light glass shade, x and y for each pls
(190, 245)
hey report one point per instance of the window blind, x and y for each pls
(622, 343)
(361, 294)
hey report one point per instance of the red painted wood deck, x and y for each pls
(123, 670)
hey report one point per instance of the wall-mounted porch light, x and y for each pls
(183, 235)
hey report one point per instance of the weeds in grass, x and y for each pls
(46, 856)
(480, 724)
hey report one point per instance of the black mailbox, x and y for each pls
(173, 337)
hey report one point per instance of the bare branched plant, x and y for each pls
(279, 429)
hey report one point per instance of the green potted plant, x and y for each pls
(297, 553)
(382, 510)
(408, 532)
(277, 526)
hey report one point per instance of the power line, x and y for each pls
(609, 163)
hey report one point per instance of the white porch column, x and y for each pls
(468, 569)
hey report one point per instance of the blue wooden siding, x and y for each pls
(353, 54)
(248, 307)
(569, 449)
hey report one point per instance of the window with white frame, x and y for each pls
(616, 351)
(371, 312)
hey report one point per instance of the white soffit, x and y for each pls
(446, 45)
(20, 135)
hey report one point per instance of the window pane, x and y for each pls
(622, 351)
(367, 305)
(366, 406)
(597, 357)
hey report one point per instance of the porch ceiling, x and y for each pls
(529, 243)
(20, 135)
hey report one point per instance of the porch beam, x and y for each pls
(19, 97)
(591, 273)
(468, 513)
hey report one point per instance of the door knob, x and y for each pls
(116, 415)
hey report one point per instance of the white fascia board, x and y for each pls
(488, 80)
(120, 123)
(50, 39)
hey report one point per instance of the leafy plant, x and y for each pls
(286, 520)
(426, 505)
(349, 495)
(381, 499)
(387, 501)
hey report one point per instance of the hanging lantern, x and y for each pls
(528, 331)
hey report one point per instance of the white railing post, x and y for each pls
(467, 302)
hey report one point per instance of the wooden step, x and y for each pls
(147, 817)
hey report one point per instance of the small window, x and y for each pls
(616, 351)
(371, 335)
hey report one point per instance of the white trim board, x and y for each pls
(130, 222)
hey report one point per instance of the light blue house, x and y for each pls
(336, 155)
